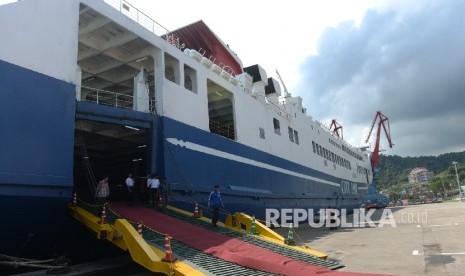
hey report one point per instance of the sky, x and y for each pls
(407, 60)
(349, 59)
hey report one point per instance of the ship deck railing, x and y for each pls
(222, 129)
(109, 98)
(138, 16)
(156, 28)
(144, 20)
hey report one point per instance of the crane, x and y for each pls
(336, 129)
(383, 124)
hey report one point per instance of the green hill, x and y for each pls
(395, 169)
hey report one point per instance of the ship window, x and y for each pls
(169, 74)
(220, 110)
(277, 128)
(190, 79)
(317, 149)
(313, 145)
(172, 71)
(188, 83)
(261, 132)
(291, 134)
(296, 137)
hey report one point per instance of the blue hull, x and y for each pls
(32, 225)
(245, 187)
(36, 158)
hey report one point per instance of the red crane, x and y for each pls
(383, 122)
(335, 128)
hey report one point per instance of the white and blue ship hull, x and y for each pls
(250, 180)
(41, 102)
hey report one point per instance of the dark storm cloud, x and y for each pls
(409, 64)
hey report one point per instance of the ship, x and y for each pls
(94, 87)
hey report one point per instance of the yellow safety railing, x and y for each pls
(126, 237)
(243, 222)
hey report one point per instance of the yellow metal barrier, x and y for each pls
(242, 222)
(123, 234)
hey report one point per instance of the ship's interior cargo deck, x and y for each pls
(108, 149)
(200, 249)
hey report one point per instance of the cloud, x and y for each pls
(408, 62)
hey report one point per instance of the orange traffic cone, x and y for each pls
(103, 218)
(160, 200)
(196, 211)
(169, 257)
(139, 228)
(74, 200)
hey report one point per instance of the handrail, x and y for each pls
(276, 108)
(222, 129)
(145, 21)
(111, 98)
(135, 14)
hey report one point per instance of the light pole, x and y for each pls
(443, 187)
(457, 175)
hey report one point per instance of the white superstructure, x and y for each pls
(115, 54)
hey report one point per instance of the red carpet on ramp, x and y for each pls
(221, 246)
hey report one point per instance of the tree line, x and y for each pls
(394, 170)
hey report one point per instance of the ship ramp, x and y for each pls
(199, 248)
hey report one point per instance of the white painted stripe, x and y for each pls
(222, 154)
(417, 253)
(456, 253)
(441, 225)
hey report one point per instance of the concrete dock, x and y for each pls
(427, 239)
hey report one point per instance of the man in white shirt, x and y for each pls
(153, 183)
(130, 185)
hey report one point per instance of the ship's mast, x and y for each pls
(286, 93)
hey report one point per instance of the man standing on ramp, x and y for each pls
(215, 202)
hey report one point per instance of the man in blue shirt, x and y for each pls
(214, 202)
